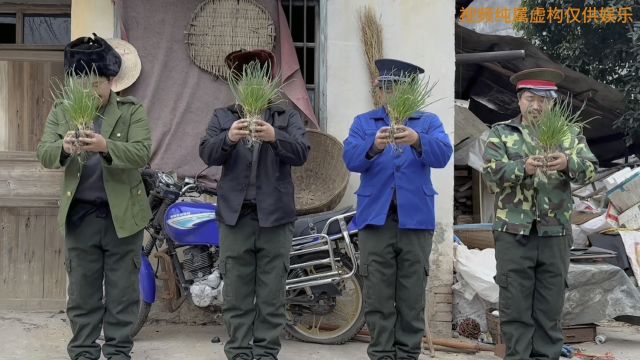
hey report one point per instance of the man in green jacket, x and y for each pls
(532, 227)
(103, 206)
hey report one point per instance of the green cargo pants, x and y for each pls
(394, 264)
(532, 277)
(254, 264)
(94, 254)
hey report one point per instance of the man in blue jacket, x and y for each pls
(395, 216)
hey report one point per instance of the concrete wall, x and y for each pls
(92, 16)
(421, 32)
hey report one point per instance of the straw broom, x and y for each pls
(371, 37)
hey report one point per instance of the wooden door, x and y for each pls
(32, 274)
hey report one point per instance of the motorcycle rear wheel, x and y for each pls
(336, 326)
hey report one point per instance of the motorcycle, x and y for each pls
(324, 297)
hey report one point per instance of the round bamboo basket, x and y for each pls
(321, 182)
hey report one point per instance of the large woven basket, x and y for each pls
(321, 182)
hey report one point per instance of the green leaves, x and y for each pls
(254, 89)
(408, 98)
(556, 125)
(78, 98)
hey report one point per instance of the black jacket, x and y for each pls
(274, 186)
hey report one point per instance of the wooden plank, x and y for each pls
(31, 203)
(29, 263)
(4, 103)
(29, 101)
(55, 276)
(38, 7)
(33, 304)
(8, 251)
(31, 55)
(22, 253)
(26, 180)
(18, 156)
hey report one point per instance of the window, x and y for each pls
(47, 29)
(303, 18)
(7, 28)
(35, 27)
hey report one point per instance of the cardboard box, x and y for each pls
(626, 194)
(630, 219)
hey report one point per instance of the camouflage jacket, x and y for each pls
(544, 197)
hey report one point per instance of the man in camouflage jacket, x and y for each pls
(532, 227)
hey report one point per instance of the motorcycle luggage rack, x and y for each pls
(323, 244)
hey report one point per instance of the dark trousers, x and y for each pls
(94, 254)
(394, 265)
(531, 272)
(254, 263)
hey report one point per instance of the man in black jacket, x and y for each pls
(256, 211)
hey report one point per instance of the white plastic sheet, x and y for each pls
(477, 268)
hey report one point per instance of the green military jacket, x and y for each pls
(544, 197)
(126, 129)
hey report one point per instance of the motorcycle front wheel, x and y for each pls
(143, 314)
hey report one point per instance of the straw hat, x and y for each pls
(131, 65)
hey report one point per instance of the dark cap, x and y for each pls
(236, 60)
(540, 81)
(84, 54)
(396, 70)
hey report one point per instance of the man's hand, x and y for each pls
(93, 142)
(382, 139)
(558, 162)
(69, 144)
(533, 163)
(238, 130)
(265, 132)
(406, 136)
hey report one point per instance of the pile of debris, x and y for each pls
(602, 276)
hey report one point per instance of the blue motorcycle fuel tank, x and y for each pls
(189, 223)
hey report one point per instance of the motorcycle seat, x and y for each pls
(305, 224)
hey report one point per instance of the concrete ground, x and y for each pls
(44, 336)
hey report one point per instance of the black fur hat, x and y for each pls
(84, 53)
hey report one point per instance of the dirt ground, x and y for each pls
(44, 336)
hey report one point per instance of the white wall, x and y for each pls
(417, 31)
(89, 16)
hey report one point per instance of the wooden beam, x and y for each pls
(31, 55)
(32, 47)
(25, 183)
(36, 8)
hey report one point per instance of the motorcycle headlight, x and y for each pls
(166, 179)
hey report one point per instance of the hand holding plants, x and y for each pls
(557, 161)
(69, 144)
(406, 136)
(265, 132)
(238, 130)
(92, 142)
(532, 164)
(382, 139)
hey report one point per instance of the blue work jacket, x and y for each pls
(408, 173)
